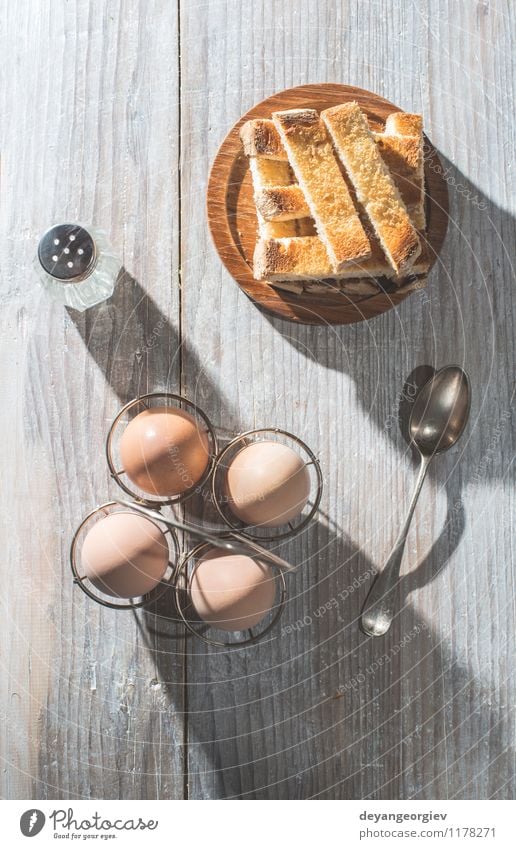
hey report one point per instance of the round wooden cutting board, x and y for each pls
(232, 214)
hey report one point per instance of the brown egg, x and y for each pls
(267, 484)
(125, 555)
(164, 451)
(231, 591)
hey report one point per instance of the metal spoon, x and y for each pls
(438, 418)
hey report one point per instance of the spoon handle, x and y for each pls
(378, 610)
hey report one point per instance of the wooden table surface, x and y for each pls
(112, 113)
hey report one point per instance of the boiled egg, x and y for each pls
(267, 484)
(232, 592)
(124, 555)
(164, 451)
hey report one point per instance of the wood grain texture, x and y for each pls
(232, 213)
(113, 113)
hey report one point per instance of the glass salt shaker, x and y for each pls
(76, 265)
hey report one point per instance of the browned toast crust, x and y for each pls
(279, 203)
(259, 139)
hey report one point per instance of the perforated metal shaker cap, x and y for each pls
(67, 252)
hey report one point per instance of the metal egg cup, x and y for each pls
(131, 603)
(198, 627)
(259, 533)
(182, 403)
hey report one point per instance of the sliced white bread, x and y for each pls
(266, 173)
(401, 147)
(259, 139)
(281, 203)
(306, 258)
(310, 153)
(373, 184)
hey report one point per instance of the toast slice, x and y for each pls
(262, 135)
(306, 259)
(401, 147)
(404, 124)
(373, 184)
(266, 173)
(317, 171)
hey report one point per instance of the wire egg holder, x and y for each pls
(240, 538)
(182, 579)
(106, 599)
(176, 577)
(136, 406)
(222, 501)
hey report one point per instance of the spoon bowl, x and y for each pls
(440, 411)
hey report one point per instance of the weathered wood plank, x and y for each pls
(93, 703)
(425, 713)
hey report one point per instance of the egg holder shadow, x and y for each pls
(239, 539)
